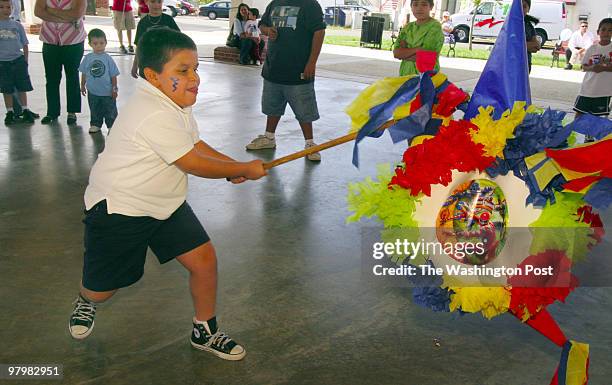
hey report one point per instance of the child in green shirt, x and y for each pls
(424, 34)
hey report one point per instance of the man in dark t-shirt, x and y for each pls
(295, 29)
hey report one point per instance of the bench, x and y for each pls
(232, 54)
(227, 54)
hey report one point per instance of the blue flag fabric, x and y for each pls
(381, 113)
(505, 78)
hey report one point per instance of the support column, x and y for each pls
(31, 23)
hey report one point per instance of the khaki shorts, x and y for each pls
(123, 20)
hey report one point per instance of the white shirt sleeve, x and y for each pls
(167, 135)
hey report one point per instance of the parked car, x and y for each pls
(173, 6)
(186, 7)
(138, 9)
(169, 11)
(347, 8)
(216, 9)
(337, 15)
(490, 16)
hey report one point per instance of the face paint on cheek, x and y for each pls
(175, 82)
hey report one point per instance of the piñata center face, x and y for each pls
(474, 219)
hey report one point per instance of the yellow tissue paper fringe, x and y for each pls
(493, 134)
(490, 301)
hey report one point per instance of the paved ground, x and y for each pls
(291, 287)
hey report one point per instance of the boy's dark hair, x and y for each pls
(96, 32)
(528, 2)
(607, 20)
(431, 3)
(157, 46)
(255, 12)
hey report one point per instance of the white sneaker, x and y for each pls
(94, 129)
(315, 156)
(261, 142)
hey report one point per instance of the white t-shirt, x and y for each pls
(251, 27)
(596, 85)
(135, 173)
(580, 40)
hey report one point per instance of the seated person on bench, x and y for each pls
(447, 28)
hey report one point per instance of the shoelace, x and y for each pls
(218, 339)
(84, 311)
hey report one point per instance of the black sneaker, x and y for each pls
(10, 118)
(71, 120)
(48, 119)
(206, 336)
(82, 319)
(130, 49)
(27, 116)
(122, 49)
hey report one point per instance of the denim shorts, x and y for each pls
(14, 76)
(116, 245)
(301, 98)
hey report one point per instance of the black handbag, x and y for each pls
(233, 40)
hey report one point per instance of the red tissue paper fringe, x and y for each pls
(586, 215)
(433, 161)
(533, 293)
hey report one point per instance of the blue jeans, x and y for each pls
(245, 50)
(103, 109)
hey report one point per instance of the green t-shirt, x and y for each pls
(428, 36)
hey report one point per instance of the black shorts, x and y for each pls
(116, 245)
(14, 76)
(593, 106)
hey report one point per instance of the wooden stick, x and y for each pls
(320, 147)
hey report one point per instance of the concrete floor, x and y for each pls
(290, 287)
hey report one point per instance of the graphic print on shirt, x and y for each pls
(97, 68)
(599, 58)
(9, 34)
(285, 16)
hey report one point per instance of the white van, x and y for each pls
(490, 16)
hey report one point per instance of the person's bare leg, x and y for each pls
(201, 263)
(120, 36)
(23, 98)
(129, 36)
(8, 100)
(271, 123)
(96, 296)
(306, 129)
